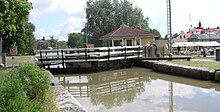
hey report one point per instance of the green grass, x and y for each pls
(208, 65)
(19, 60)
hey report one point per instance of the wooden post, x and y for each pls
(86, 54)
(125, 52)
(163, 51)
(145, 51)
(139, 48)
(4, 59)
(41, 58)
(46, 55)
(57, 54)
(108, 66)
(62, 58)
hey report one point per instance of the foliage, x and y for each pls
(75, 40)
(104, 16)
(13, 23)
(175, 35)
(34, 79)
(156, 32)
(62, 44)
(25, 89)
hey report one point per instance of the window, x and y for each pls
(129, 42)
(138, 42)
(184, 36)
(180, 36)
(117, 42)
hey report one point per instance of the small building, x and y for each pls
(203, 38)
(128, 36)
(182, 37)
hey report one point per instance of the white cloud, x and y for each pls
(206, 11)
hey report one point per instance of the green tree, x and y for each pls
(175, 35)
(156, 32)
(62, 44)
(29, 38)
(104, 16)
(13, 21)
(75, 40)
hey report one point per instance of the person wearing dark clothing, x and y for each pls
(178, 49)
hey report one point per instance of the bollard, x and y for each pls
(4, 59)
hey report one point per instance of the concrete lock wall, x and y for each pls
(217, 54)
(179, 70)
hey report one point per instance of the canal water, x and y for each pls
(141, 90)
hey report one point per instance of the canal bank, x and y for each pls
(180, 70)
(65, 101)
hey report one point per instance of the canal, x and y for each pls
(141, 90)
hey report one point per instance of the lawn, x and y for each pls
(204, 64)
(17, 60)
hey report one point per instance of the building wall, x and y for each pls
(144, 40)
(181, 38)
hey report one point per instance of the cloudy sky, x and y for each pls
(60, 17)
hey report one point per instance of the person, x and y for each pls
(178, 49)
(148, 48)
(204, 52)
(154, 44)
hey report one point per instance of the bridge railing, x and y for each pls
(88, 54)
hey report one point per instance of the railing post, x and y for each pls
(139, 51)
(46, 55)
(145, 51)
(41, 58)
(125, 52)
(86, 54)
(108, 66)
(4, 59)
(62, 58)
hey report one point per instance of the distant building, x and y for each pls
(199, 34)
(182, 37)
(203, 38)
(128, 36)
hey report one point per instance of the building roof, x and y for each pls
(193, 44)
(128, 32)
(205, 36)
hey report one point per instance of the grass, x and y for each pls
(208, 65)
(19, 60)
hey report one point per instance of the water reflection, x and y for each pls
(109, 89)
(141, 90)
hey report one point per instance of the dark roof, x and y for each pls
(205, 36)
(129, 32)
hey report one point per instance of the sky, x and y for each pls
(60, 17)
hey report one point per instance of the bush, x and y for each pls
(34, 79)
(24, 89)
(10, 88)
(23, 104)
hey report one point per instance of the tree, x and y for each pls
(75, 40)
(156, 32)
(104, 16)
(175, 35)
(62, 44)
(13, 21)
(29, 38)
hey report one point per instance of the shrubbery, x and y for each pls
(23, 89)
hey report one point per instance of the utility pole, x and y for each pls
(86, 33)
(169, 29)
